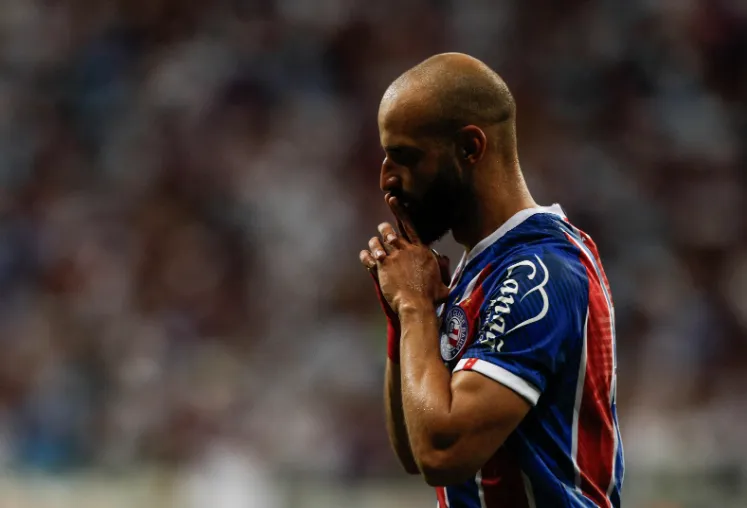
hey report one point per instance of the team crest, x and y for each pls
(454, 332)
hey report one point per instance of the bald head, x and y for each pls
(448, 129)
(449, 91)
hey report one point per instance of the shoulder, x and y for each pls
(541, 284)
(551, 261)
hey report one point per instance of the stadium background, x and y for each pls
(185, 186)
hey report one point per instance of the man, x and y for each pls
(500, 387)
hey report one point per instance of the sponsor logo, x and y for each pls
(498, 322)
(454, 332)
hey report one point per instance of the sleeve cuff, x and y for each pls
(502, 376)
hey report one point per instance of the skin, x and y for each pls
(465, 180)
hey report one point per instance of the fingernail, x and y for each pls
(379, 253)
(391, 237)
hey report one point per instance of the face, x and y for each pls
(428, 181)
(420, 169)
(434, 212)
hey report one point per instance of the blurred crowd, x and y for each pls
(185, 186)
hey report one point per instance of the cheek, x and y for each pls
(412, 186)
(424, 178)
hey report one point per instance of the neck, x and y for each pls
(494, 202)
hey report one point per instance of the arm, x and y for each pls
(395, 418)
(455, 423)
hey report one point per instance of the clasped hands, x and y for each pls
(408, 273)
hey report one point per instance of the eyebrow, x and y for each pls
(401, 148)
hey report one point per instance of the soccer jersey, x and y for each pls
(530, 308)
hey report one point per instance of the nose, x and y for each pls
(389, 181)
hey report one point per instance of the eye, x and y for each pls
(404, 156)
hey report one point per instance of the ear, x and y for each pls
(471, 144)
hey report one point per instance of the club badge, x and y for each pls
(454, 332)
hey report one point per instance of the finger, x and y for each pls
(389, 235)
(400, 227)
(374, 245)
(403, 220)
(367, 260)
(387, 232)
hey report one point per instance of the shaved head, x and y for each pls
(448, 127)
(449, 91)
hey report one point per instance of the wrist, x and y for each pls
(415, 308)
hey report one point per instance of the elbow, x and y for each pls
(441, 468)
(452, 461)
(442, 471)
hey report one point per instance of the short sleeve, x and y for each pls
(530, 320)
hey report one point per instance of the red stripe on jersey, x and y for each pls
(441, 496)
(502, 483)
(589, 243)
(596, 429)
(472, 305)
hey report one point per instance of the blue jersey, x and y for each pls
(530, 308)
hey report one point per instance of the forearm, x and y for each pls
(395, 419)
(426, 390)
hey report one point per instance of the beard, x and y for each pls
(434, 214)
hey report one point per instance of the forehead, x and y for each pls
(401, 119)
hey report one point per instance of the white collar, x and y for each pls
(507, 226)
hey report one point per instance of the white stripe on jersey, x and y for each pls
(531, 502)
(480, 491)
(503, 376)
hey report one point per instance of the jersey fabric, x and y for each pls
(530, 308)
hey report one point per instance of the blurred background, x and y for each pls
(185, 186)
